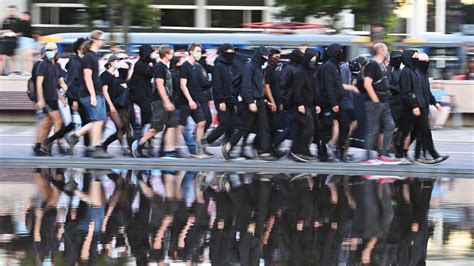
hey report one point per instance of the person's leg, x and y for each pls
(305, 131)
(207, 115)
(222, 127)
(373, 112)
(344, 128)
(425, 135)
(388, 126)
(405, 127)
(263, 129)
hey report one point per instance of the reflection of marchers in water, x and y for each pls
(160, 216)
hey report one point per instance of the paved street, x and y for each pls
(16, 150)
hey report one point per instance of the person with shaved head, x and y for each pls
(377, 106)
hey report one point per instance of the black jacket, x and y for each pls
(252, 77)
(410, 89)
(303, 87)
(141, 87)
(426, 90)
(222, 80)
(75, 80)
(288, 77)
(394, 80)
(331, 89)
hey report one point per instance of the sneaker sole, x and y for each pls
(298, 158)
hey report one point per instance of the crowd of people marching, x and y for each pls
(309, 100)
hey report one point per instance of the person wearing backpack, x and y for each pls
(48, 79)
(253, 107)
(76, 89)
(379, 116)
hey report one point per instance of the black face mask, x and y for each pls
(228, 56)
(123, 73)
(396, 62)
(415, 62)
(424, 66)
(340, 56)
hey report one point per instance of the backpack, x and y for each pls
(31, 84)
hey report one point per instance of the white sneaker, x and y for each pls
(372, 162)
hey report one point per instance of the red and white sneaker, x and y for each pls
(372, 162)
(387, 160)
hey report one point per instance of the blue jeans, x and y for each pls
(379, 117)
(95, 113)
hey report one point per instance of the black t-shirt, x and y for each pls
(271, 78)
(378, 73)
(112, 82)
(162, 71)
(51, 72)
(11, 23)
(26, 29)
(190, 73)
(91, 61)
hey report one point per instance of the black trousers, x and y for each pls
(226, 123)
(424, 138)
(304, 130)
(323, 123)
(288, 130)
(344, 122)
(259, 120)
(145, 113)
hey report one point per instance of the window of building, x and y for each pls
(257, 15)
(72, 15)
(46, 15)
(227, 18)
(177, 17)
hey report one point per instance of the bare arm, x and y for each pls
(39, 91)
(89, 83)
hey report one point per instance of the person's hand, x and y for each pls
(416, 111)
(318, 109)
(169, 106)
(40, 104)
(272, 106)
(438, 107)
(335, 109)
(192, 105)
(75, 106)
(301, 109)
(253, 107)
(222, 107)
(94, 101)
(113, 110)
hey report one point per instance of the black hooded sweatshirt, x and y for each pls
(222, 80)
(141, 86)
(331, 89)
(425, 87)
(303, 87)
(288, 78)
(252, 77)
(394, 73)
(410, 86)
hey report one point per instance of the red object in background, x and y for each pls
(282, 25)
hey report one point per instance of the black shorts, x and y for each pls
(8, 46)
(51, 105)
(350, 114)
(161, 118)
(185, 111)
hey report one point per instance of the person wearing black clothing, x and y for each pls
(272, 91)
(163, 108)
(331, 94)
(303, 99)
(111, 88)
(141, 87)
(27, 43)
(377, 106)
(76, 90)
(94, 102)
(254, 106)
(393, 77)
(49, 77)
(192, 84)
(222, 93)
(8, 46)
(422, 125)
